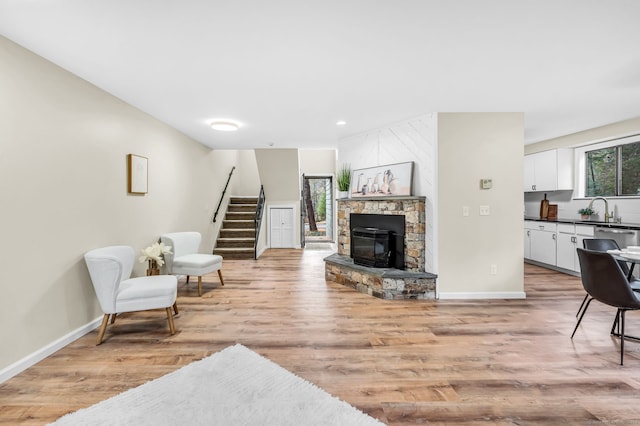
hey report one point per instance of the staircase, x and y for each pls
(237, 236)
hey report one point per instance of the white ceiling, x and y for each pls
(289, 69)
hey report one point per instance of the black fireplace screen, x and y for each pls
(391, 226)
(371, 247)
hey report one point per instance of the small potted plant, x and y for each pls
(586, 212)
(344, 180)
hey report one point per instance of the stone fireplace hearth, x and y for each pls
(412, 282)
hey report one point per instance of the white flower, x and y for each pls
(155, 252)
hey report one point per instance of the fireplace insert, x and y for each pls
(371, 247)
(392, 225)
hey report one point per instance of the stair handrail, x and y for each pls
(258, 220)
(215, 215)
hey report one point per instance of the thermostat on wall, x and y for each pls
(486, 183)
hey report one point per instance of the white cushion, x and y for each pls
(156, 291)
(196, 264)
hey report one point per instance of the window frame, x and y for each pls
(580, 157)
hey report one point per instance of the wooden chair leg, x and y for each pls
(113, 318)
(220, 275)
(103, 328)
(199, 286)
(187, 279)
(175, 308)
(172, 328)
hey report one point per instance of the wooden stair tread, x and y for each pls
(236, 238)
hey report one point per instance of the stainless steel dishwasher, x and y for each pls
(624, 237)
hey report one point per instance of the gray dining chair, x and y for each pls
(604, 281)
(602, 245)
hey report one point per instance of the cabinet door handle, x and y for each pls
(528, 233)
(533, 187)
(553, 236)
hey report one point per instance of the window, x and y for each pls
(613, 171)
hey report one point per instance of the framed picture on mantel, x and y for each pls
(391, 180)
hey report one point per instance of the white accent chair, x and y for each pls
(185, 259)
(110, 270)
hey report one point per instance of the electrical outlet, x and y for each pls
(485, 210)
(494, 269)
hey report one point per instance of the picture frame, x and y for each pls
(138, 174)
(391, 180)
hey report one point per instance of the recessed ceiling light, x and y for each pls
(224, 125)
(341, 123)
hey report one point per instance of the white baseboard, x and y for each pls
(31, 359)
(482, 295)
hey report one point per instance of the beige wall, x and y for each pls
(317, 162)
(63, 148)
(472, 146)
(279, 171)
(611, 131)
(247, 179)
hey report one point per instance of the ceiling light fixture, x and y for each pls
(224, 125)
(341, 123)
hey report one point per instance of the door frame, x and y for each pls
(330, 200)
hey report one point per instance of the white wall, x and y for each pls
(471, 147)
(411, 140)
(63, 186)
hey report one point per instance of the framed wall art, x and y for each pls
(138, 174)
(391, 180)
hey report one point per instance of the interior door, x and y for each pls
(281, 227)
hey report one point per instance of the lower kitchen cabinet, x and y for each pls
(569, 238)
(540, 242)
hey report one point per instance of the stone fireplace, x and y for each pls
(409, 282)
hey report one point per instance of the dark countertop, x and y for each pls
(586, 222)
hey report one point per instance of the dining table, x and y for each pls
(630, 256)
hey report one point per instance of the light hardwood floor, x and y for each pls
(502, 362)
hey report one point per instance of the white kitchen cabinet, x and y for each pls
(569, 238)
(542, 242)
(566, 247)
(549, 170)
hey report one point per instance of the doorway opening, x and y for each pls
(317, 206)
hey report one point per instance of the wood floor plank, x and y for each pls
(496, 362)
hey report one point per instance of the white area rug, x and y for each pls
(232, 387)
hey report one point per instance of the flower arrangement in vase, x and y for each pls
(154, 256)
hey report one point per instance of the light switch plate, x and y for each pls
(465, 210)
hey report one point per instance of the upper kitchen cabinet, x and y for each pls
(549, 170)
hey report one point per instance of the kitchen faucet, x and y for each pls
(606, 207)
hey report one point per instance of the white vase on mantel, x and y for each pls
(343, 194)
